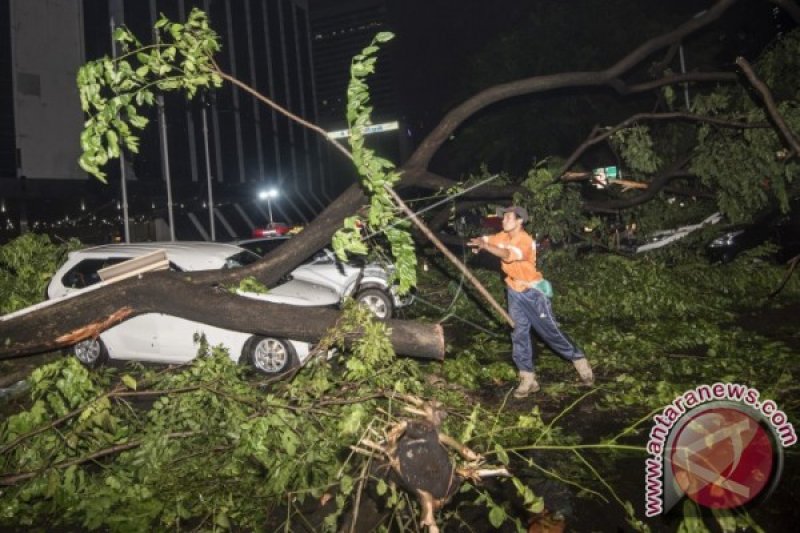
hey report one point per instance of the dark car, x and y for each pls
(778, 228)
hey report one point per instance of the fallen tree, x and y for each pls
(85, 316)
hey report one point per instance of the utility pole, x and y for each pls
(208, 170)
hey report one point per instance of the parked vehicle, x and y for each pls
(368, 284)
(163, 338)
(781, 229)
(660, 239)
(275, 229)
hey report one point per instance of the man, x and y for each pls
(527, 304)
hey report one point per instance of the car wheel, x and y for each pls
(270, 355)
(92, 353)
(377, 301)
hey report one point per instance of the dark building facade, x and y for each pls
(339, 31)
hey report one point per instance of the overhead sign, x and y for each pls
(372, 128)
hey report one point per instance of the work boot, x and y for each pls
(527, 384)
(584, 371)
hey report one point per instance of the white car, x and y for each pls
(163, 338)
(369, 284)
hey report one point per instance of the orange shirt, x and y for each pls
(520, 268)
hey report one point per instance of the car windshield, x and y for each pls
(245, 257)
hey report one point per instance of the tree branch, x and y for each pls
(596, 137)
(537, 84)
(675, 170)
(449, 255)
(789, 7)
(14, 478)
(283, 110)
(658, 67)
(705, 77)
(425, 179)
(772, 109)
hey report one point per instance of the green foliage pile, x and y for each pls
(208, 446)
(26, 265)
(653, 326)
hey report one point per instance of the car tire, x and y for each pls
(378, 302)
(91, 353)
(269, 355)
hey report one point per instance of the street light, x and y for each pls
(268, 195)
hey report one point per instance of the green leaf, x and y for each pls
(346, 484)
(497, 516)
(222, 520)
(129, 381)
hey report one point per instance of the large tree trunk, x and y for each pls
(74, 319)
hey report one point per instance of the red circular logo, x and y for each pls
(722, 458)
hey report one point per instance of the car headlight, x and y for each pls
(727, 239)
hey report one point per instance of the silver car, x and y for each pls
(369, 284)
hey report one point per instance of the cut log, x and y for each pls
(84, 316)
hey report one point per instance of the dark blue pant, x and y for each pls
(532, 309)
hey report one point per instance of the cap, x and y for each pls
(521, 212)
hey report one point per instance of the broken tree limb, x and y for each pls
(449, 255)
(64, 323)
(670, 172)
(790, 7)
(600, 134)
(282, 110)
(772, 109)
(10, 479)
(538, 84)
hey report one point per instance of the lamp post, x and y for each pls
(268, 195)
